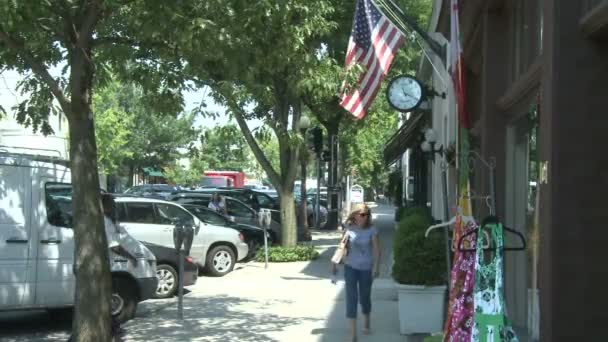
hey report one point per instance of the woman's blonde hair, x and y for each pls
(356, 210)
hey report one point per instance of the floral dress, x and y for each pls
(459, 322)
(491, 322)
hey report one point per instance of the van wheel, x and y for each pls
(124, 299)
(220, 261)
(167, 281)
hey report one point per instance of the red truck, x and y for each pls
(235, 179)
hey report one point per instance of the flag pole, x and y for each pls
(438, 49)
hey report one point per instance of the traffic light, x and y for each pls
(315, 139)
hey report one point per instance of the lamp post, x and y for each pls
(304, 125)
(428, 146)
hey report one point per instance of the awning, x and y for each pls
(151, 172)
(404, 138)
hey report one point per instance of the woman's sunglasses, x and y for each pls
(362, 214)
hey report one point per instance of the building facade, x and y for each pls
(536, 78)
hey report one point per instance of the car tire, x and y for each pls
(124, 299)
(220, 261)
(168, 281)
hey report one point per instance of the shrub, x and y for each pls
(418, 260)
(288, 254)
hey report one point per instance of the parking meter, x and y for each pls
(183, 234)
(264, 219)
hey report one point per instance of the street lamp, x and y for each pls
(428, 145)
(304, 125)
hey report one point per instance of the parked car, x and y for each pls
(215, 248)
(256, 200)
(237, 211)
(167, 266)
(160, 191)
(254, 236)
(37, 243)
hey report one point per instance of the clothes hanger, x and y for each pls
(466, 220)
(494, 220)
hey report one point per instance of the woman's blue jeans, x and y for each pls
(358, 290)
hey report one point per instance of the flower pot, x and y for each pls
(421, 308)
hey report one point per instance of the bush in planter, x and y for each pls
(418, 260)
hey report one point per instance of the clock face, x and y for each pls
(404, 93)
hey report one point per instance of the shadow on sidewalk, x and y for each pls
(220, 318)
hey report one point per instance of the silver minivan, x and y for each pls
(37, 242)
(215, 248)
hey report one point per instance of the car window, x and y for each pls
(264, 201)
(168, 214)
(58, 200)
(139, 213)
(210, 217)
(235, 208)
(194, 200)
(121, 212)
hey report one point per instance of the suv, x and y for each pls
(160, 191)
(215, 248)
(238, 211)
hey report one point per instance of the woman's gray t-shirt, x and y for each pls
(360, 252)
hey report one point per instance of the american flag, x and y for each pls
(373, 43)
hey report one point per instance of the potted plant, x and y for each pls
(420, 270)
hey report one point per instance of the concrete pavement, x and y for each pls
(286, 302)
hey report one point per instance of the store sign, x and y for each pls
(356, 194)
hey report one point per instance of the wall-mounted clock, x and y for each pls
(405, 93)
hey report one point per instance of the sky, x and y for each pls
(9, 97)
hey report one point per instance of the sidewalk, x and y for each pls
(286, 302)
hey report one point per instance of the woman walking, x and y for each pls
(361, 266)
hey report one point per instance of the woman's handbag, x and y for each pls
(341, 251)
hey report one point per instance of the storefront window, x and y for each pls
(526, 35)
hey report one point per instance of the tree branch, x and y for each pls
(253, 144)
(38, 68)
(88, 23)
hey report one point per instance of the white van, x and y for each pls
(37, 242)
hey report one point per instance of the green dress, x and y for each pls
(491, 322)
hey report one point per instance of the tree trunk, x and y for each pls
(289, 232)
(93, 280)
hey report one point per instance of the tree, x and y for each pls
(85, 37)
(131, 134)
(362, 142)
(265, 49)
(223, 147)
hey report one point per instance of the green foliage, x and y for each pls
(224, 148)
(418, 260)
(288, 254)
(130, 134)
(189, 176)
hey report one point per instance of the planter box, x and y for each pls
(534, 314)
(421, 308)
